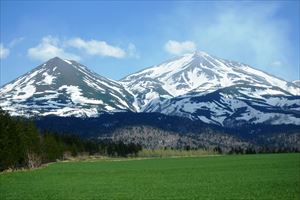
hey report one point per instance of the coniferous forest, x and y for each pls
(22, 145)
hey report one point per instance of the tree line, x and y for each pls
(256, 150)
(22, 145)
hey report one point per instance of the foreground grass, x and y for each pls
(273, 176)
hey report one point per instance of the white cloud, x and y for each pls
(4, 52)
(175, 47)
(48, 48)
(94, 47)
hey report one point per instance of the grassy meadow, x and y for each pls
(269, 176)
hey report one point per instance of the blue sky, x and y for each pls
(117, 38)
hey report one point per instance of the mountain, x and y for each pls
(197, 86)
(197, 72)
(64, 88)
(216, 91)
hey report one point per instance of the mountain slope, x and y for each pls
(159, 130)
(64, 88)
(234, 106)
(197, 72)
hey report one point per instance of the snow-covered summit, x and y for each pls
(63, 87)
(197, 72)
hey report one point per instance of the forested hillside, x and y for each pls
(22, 145)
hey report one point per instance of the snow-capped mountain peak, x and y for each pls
(63, 87)
(196, 72)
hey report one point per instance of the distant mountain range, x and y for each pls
(197, 86)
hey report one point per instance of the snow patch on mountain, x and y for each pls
(68, 61)
(25, 92)
(76, 112)
(48, 79)
(76, 95)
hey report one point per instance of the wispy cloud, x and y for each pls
(15, 41)
(176, 47)
(132, 51)
(4, 52)
(276, 63)
(96, 47)
(240, 33)
(50, 47)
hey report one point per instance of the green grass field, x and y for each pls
(274, 176)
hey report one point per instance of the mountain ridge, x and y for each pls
(196, 85)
